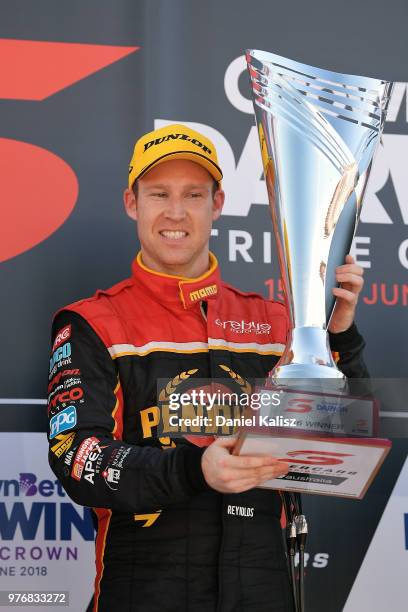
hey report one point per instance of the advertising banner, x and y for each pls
(46, 541)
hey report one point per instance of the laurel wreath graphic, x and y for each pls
(173, 384)
(244, 384)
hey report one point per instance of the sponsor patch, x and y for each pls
(60, 356)
(62, 336)
(66, 419)
(64, 443)
(57, 377)
(82, 455)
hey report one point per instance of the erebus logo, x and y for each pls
(244, 327)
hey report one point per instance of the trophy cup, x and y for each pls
(318, 133)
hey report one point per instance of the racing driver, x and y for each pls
(182, 524)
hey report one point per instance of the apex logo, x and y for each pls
(35, 70)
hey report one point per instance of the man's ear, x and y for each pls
(218, 203)
(130, 202)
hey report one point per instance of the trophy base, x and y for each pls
(306, 370)
(308, 358)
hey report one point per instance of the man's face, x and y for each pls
(174, 209)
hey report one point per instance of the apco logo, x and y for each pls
(62, 352)
(34, 71)
(66, 419)
(312, 457)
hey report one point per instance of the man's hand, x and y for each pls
(350, 277)
(234, 474)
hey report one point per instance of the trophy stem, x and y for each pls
(307, 355)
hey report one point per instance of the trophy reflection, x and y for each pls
(318, 133)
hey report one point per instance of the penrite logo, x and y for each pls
(34, 70)
(312, 457)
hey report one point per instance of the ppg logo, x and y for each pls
(66, 419)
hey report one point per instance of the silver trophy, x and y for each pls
(318, 133)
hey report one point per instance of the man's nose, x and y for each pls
(175, 209)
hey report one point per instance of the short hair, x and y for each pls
(215, 187)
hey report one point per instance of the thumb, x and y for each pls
(226, 441)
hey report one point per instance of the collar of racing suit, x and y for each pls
(186, 291)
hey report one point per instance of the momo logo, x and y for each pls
(201, 294)
(32, 71)
(193, 141)
(312, 457)
(66, 419)
(244, 327)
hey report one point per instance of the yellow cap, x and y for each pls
(175, 141)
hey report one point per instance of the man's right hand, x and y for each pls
(228, 473)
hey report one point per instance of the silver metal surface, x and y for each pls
(318, 132)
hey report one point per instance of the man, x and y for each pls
(167, 537)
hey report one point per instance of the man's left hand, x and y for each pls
(350, 277)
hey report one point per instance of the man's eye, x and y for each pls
(195, 194)
(159, 194)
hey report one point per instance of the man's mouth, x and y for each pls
(173, 234)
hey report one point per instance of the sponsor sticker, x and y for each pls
(72, 395)
(66, 419)
(62, 336)
(57, 377)
(64, 443)
(82, 455)
(60, 356)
